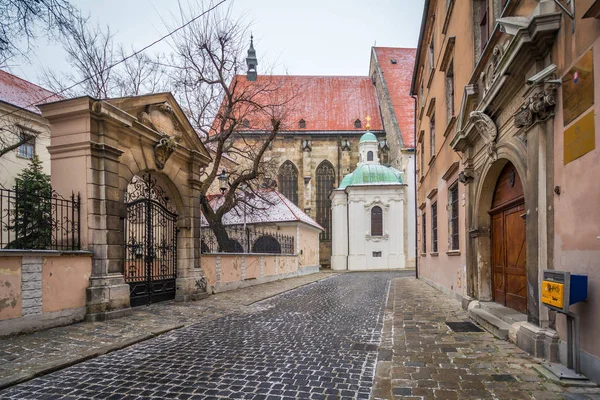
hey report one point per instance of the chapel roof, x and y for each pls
(269, 207)
(23, 94)
(325, 103)
(398, 77)
(372, 174)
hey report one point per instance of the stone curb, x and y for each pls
(65, 362)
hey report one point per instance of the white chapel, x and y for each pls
(368, 214)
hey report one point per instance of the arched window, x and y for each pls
(266, 244)
(376, 221)
(287, 181)
(325, 184)
(302, 124)
(370, 156)
(246, 123)
(357, 124)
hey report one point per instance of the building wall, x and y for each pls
(42, 289)
(576, 214)
(446, 268)
(11, 164)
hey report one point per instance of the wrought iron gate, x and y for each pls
(150, 243)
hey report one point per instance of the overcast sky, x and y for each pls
(308, 37)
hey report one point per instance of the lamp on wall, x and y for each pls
(223, 181)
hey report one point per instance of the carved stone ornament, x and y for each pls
(159, 117)
(163, 150)
(491, 71)
(306, 145)
(486, 128)
(539, 106)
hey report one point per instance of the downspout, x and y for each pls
(415, 199)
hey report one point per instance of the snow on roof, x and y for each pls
(272, 207)
(398, 77)
(23, 94)
(325, 103)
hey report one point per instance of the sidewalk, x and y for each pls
(26, 356)
(420, 357)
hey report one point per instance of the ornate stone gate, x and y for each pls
(97, 148)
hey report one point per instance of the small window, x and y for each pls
(377, 254)
(302, 124)
(376, 221)
(357, 124)
(246, 123)
(424, 231)
(434, 236)
(432, 135)
(370, 156)
(453, 217)
(394, 61)
(27, 149)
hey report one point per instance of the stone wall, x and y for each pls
(42, 289)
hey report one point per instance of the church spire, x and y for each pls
(251, 61)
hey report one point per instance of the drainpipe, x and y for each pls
(415, 199)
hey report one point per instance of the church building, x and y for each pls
(318, 142)
(368, 214)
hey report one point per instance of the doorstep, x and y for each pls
(495, 318)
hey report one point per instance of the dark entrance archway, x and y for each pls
(508, 241)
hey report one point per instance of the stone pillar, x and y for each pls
(307, 171)
(191, 283)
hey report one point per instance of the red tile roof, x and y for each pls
(23, 94)
(398, 78)
(325, 103)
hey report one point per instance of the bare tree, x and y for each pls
(22, 21)
(93, 55)
(206, 65)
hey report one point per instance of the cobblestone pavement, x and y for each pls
(421, 358)
(319, 341)
(25, 356)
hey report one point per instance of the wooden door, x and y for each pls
(508, 252)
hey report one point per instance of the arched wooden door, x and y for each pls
(509, 272)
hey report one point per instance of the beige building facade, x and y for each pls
(525, 128)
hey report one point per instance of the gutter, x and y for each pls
(415, 199)
(419, 46)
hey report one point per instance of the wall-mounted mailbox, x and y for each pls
(562, 289)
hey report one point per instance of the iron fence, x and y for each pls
(248, 240)
(30, 221)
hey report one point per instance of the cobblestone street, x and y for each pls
(350, 336)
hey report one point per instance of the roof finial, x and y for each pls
(368, 122)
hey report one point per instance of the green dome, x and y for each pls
(368, 137)
(372, 174)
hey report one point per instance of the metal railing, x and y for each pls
(248, 240)
(30, 221)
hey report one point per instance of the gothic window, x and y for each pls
(453, 217)
(434, 235)
(266, 244)
(376, 221)
(288, 181)
(357, 124)
(370, 156)
(302, 124)
(450, 90)
(325, 183)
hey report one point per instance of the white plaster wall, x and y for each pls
(360, 201)
(339, 239)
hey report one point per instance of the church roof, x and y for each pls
(325, 103)
(269, 207)
(23, 94)
(372, 174)
(398, 78)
